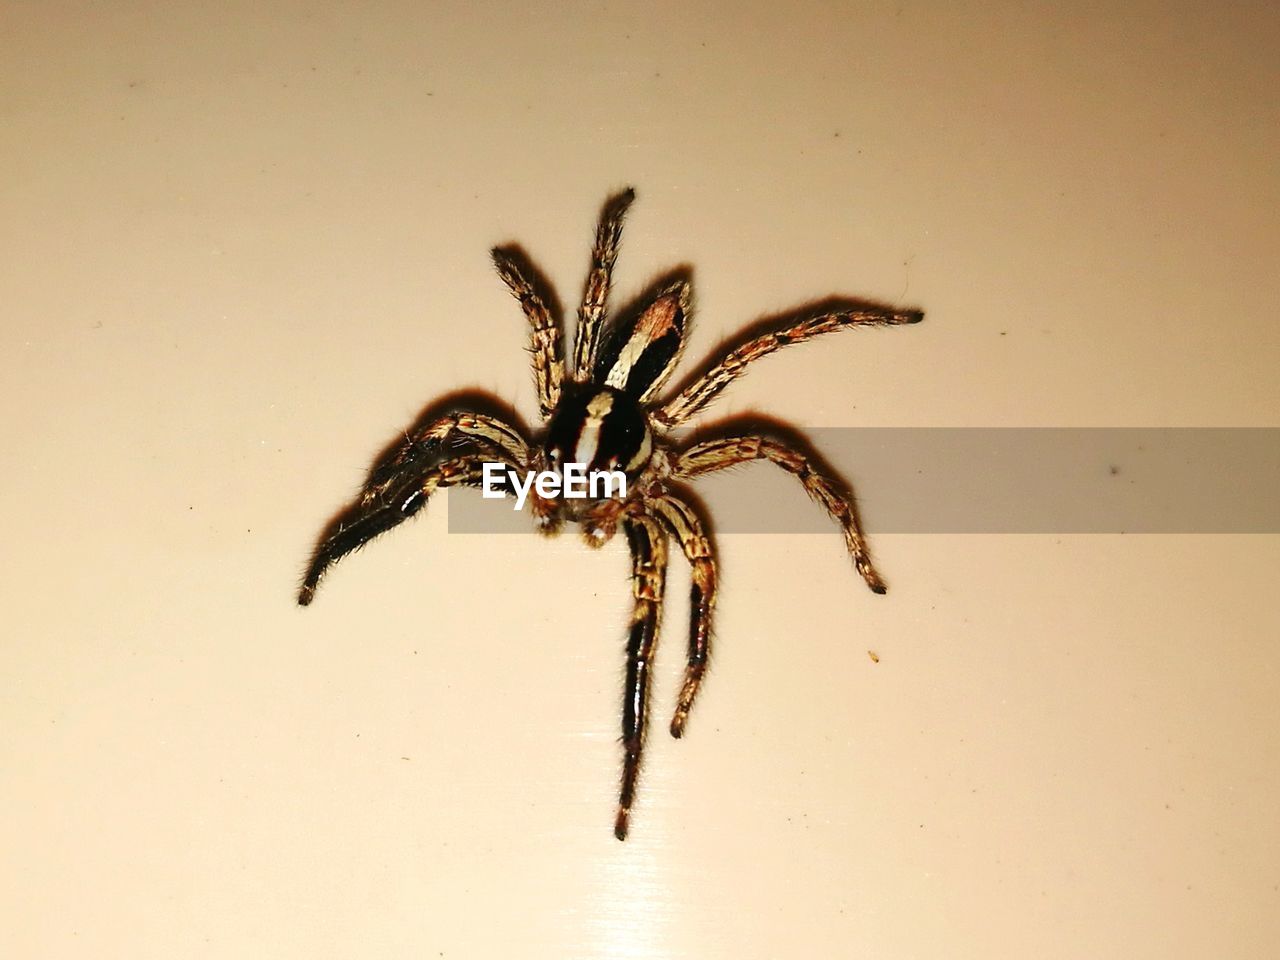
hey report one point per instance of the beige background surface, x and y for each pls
(243, 246)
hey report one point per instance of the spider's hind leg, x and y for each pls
(545, 329)
(649, 567)
(596, 295)
(797, 327)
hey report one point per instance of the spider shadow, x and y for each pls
(775, 323)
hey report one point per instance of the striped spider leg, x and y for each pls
(648, 543)
(672, 514)
(834, 496)
(400, 486)
(595, 296)
(545, 329)
(459, 428)
(828, 316)
(678, 514)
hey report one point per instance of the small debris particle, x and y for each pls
(875, 657)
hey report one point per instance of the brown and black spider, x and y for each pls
(603, 412)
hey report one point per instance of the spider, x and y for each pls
(601, 408)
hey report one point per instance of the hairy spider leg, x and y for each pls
(461, 427)
(366, 520)
(677, 513)
(700, 393)
(547, 338)
(649, 570)
(834, 497)
(595, 296)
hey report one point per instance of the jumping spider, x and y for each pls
(603, 411)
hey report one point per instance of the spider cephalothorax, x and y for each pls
(603, 413)
(601, 428)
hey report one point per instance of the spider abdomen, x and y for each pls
(601, 428)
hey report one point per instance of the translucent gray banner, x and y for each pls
(993, 480)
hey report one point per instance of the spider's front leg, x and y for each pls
(835, 498)
(679, 516)
(649, 569)
(426, 443)
(400, 500)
